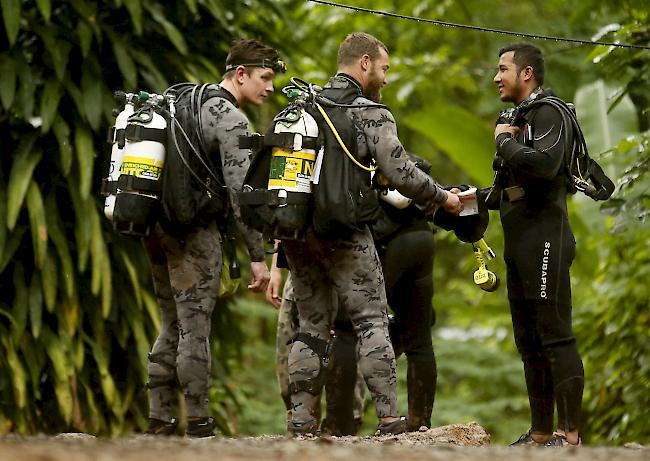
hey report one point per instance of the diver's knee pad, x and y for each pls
(160, 372)
(321, 348)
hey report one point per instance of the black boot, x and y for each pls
(421, 386)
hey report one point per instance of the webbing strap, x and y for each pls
(130, 183)
(135, 132)
(274, 197)
(321, 348)
(285, 139)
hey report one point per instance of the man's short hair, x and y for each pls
(526, 54)
(250, 51)
(356, 45)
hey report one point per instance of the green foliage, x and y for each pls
(78, 315)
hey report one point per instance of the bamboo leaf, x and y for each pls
(149, 71)
(62, 133)
(135, 10)
(11, 245)
(56, 351)
(85, 33)
(11, 18)
(57, 235)
(36, 305)
(50, 103)
(58, 50)
(133, 276)
(49, 280)
(3, 218)
(98, 253)
(8, 81)
(45, 7)
(107, 288)
(82, 226)
(21, 303)
(153, 309)
(85, 158)
(170, 30)
(26, 159)
(26, 89)
(125, 63)
(191, 4)
(37, 222)
(18, 377)
(69, 308)
(91, 89)
(105, 379)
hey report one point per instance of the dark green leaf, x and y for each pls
(170, 30)
(36, 305)
(37, 223)
(45, 7)
(135, 10)
(11, 18)
(125, 63)
(85, 34)
(8, 81)
(50, 103)
(85, 151)
(62, 133)
(26, 159)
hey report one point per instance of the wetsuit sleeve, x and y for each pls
(223, 123)
(544, 157)
(385, 147)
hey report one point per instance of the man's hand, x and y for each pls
(273, 296)
(453, 204)
(259, 276)
(505, 128)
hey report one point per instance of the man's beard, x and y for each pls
(374, 94)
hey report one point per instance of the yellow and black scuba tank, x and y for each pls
(133, 186)
(139, 184)
(305, 173)
(277, 194)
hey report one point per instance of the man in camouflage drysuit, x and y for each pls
(186, 266)
(351, 267)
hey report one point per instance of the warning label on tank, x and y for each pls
(291, 170)
(142, 167)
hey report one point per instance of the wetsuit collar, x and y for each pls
(228, 96)
(350, 79)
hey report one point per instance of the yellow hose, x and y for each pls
(338, 138)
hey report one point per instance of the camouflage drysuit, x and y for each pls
(286, 331)
(186, 273)
(352, 269)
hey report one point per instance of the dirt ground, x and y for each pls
(456, 442)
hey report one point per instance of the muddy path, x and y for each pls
(456, 442)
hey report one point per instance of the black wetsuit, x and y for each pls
(539, 250)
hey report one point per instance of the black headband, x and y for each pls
(276, 65)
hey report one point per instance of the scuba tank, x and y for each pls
(143, 157)
(117, 140)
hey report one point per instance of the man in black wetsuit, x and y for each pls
(539, 247)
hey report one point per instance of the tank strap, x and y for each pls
(275, 197)
(287, 140)
(130, 183)
(142, 133)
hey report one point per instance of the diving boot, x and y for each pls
(202, 427)
(297, 427)
(421, 386)
(393, 428)
(161, 427)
